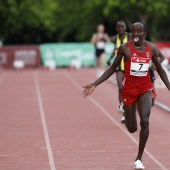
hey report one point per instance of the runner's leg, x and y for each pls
(144, 110)
(119, 76)
(130, 117)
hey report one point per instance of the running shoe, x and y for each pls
(139, 164)
(120, 108)
(123, 119)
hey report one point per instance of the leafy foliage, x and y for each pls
(30, 21)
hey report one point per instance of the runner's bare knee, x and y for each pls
(131, 128)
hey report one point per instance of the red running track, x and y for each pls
(46, 125)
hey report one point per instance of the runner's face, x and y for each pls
(100, 28)
(138, 33)
(120, 28)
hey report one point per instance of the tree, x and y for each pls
(29, 21)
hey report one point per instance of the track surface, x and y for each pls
(46, 125)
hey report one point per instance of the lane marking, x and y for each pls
(162, 106)
(114, 121)
(44, 124)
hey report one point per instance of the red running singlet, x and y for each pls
(136, 80)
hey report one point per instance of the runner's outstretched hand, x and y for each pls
(88, 89)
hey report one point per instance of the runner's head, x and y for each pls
(138, 32)
(121, 27)
(100, 28)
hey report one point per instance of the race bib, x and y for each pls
(100, 45)
(139, 66)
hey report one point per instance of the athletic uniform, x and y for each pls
(117, 45)
(100, 46)
(136, 80)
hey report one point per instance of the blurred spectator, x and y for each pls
(99, 39)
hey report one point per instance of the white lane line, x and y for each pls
(45, 129)
(78, 86)
(162, 106)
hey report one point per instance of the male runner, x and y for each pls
(137, 91)
(121, 37)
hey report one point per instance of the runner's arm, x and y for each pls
(160, 55)
(89, 88)
(113, 53)
(93, 39)
(107, 37)
(159, 68)
(113, 67)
